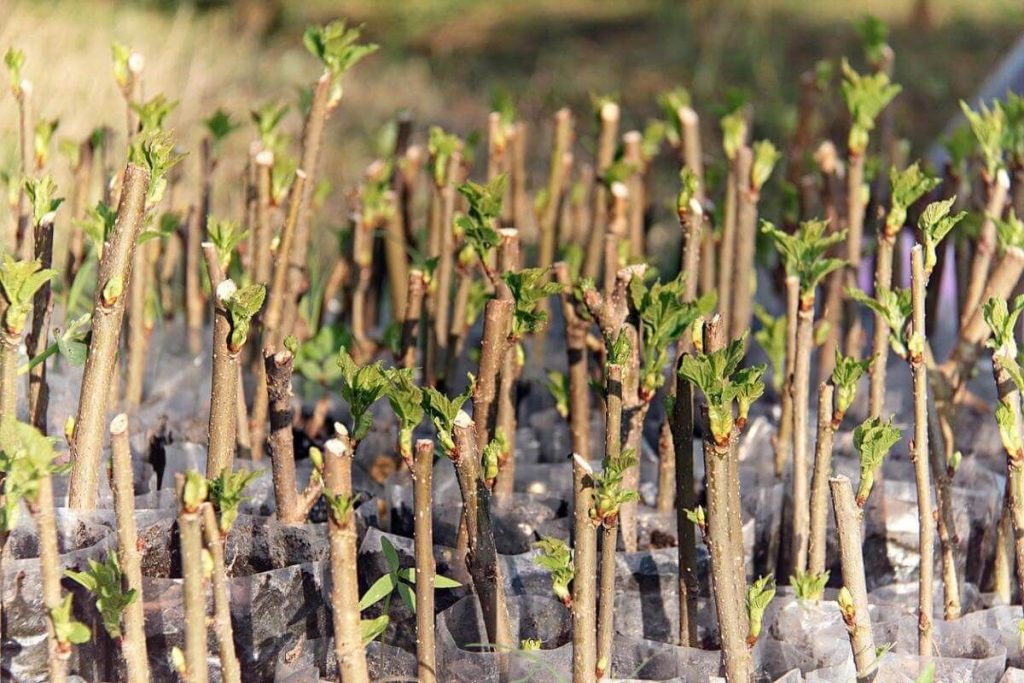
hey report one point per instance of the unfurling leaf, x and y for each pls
(242, 306)
(988, 126)
(554, 555)
(759, 596)
(772, 338)
(528, 290)
(866, 96)
(442, 411)
(225, 492)
(105, 580)
(66, 630)
(935, 223)
(873, 439)
(808, 586)
(765, 157)
(845, 376)
(406, 401)
(803, 253)
(194, 492)
(908, 186)
(19, 281)
(361, 387)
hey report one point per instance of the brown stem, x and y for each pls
(666, 470)
(557, 181)
(230, 672)
(196, 233)
(348, 641)
(395, 257)
(138, 335)
(274, 332)
(633, 155)
(584, 649)
(481, 556)
(919, 456)
(133, 641)
(801, 391)
(497, 323)
(783, 438)
(880, 342)
(505, 420)
(606, 616)
(634, 413)
(113, 282)
(692, 154)
(50, 571)
(728, 586)
(855, 207)
(744, 284)
(609, 133)
(26, 137)
(691, 219)
(682, 440)
(985, 246)
(819, 482)
(423, 540)
(223, 420)
(411, 319)
(36, 340)
(851, 559)
(362, 258)
(576, 348)
(1005, 552)
(190, 531)
(1011, 522)
(727, 243)
(446, 263)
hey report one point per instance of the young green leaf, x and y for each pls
(242, 305)
(66, 630)
(267, 118)
(340, 508)
(670, 102)
(713, 373)
(195, 491)
(335, 45)
(765, 157)
(26, 456)
(528, 290)
(803, 253)
(555, 556)
(484, 209)
(935, 223)
(42, 134)
(558, 385)
(1009, 433)
(1010, 231)
(371, 629)
(759, 596)
(734, 133)
(873, 439)
(610, 492)
(771, 337)
(908, 186)
(19, 281)
(866, 97)
(40, 193)
(105, 581)
(442, 412)
(493, 455)
(15, 61)
(698, 516)
(406, 401)
(748, 386)
(874, 34)
(220, 125)
(845, 376)
(225, 492)
(361, 387)
(894, 306)
(153, 112)
(808, 586)
(225, 235)
(441, 146)
(989, 128)
(154, 150)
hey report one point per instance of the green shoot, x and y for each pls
(442, 146)
(670, 102)
(874, 34)
(935, 223)
(66, 630)
(484, 209)
(528, 290)
(866, 97)
(718, 379)
(664, 319)
(42, 134)
(759, 596)
(609, 494)
(225, 492)
(105, 581)
(195, 491)
(846, 606)
(219, 126)
(242, 305)
(558, 385)
(154, 151)
(406, 401)
(340, 508)
(15, 61)
(26, 456)
(808, 586)
(894, 307)
(689, 186)
(803, 253)
(40, 193)
(1010, 231)
(225, 235)
(771, 337)
(845, 376)
(491, 458)
(361, 387)
(20, 280)
(267, 118)
(442, 412)
(765, 157)
(335, 46)
(698, 516)
(153, 112)
(989, 128)
(555, 556)
(873, 439)
(908, 186)
(734, 133)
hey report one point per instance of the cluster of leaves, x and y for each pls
(771, 337)
(558, 385)
(195, 491)
(406, 401)
(105, 581)
(26, 457)
(154, 151)
(493, 456)
(719, 378)
(688, 192)
(759, 596)
(803, 253)
(529, 288)
(225, 235)
(477, 226)
(866, 96)
(845, 376)
(14, 59)
(873, 439)
(1002, 318)
(225, 492)
(894, 306)
(336, 46)
(66, 629)
(20, 280)
(908, 186)
(609, 492)
(699, 517)
(219, 125)
(40, 193)
(153, 113)
(766, 155)
(734, 133)
(555, 556)
(242, 305)
(1010, 231)
(97, 225)
(42, 135)
(267, 118)
(809, 586)
(442, 412)
(989, 128)
(670, 102)
(361, 387)
(442, 147)
(396, 580)
(664, 319)
(874, 34)
(935, 223)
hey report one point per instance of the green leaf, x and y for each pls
(154, 151)
(380, 589)
(225, 235)
(442, 412)
(267, 118)
(220, 125)
(803, 253)
(341, 506)
(664, 318)
(554, 555)
(194, 492)
(1010, 231)
(408, 595)
(1009, 433)
(873, 439)
(988, 126)
(15, 61)
(808, 586)
(242, 306)
(558, 385)
(771, 337)
(845, 376)
(390, 554)
(908, 186)
(874, 34)
(19, 281)
(65, 628)
(765, 157)
(42, 134)
(225, 492)
(406, 401)
(935, 223)
(335, 45)
(670, 102)
(371, 629)
(528, 290)
(105, 580)
(866, 96)
(26, 456)
(759, 596)
(894, 306)
(153, 112)
(441, 146)
(734, 133)
(610, 492)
